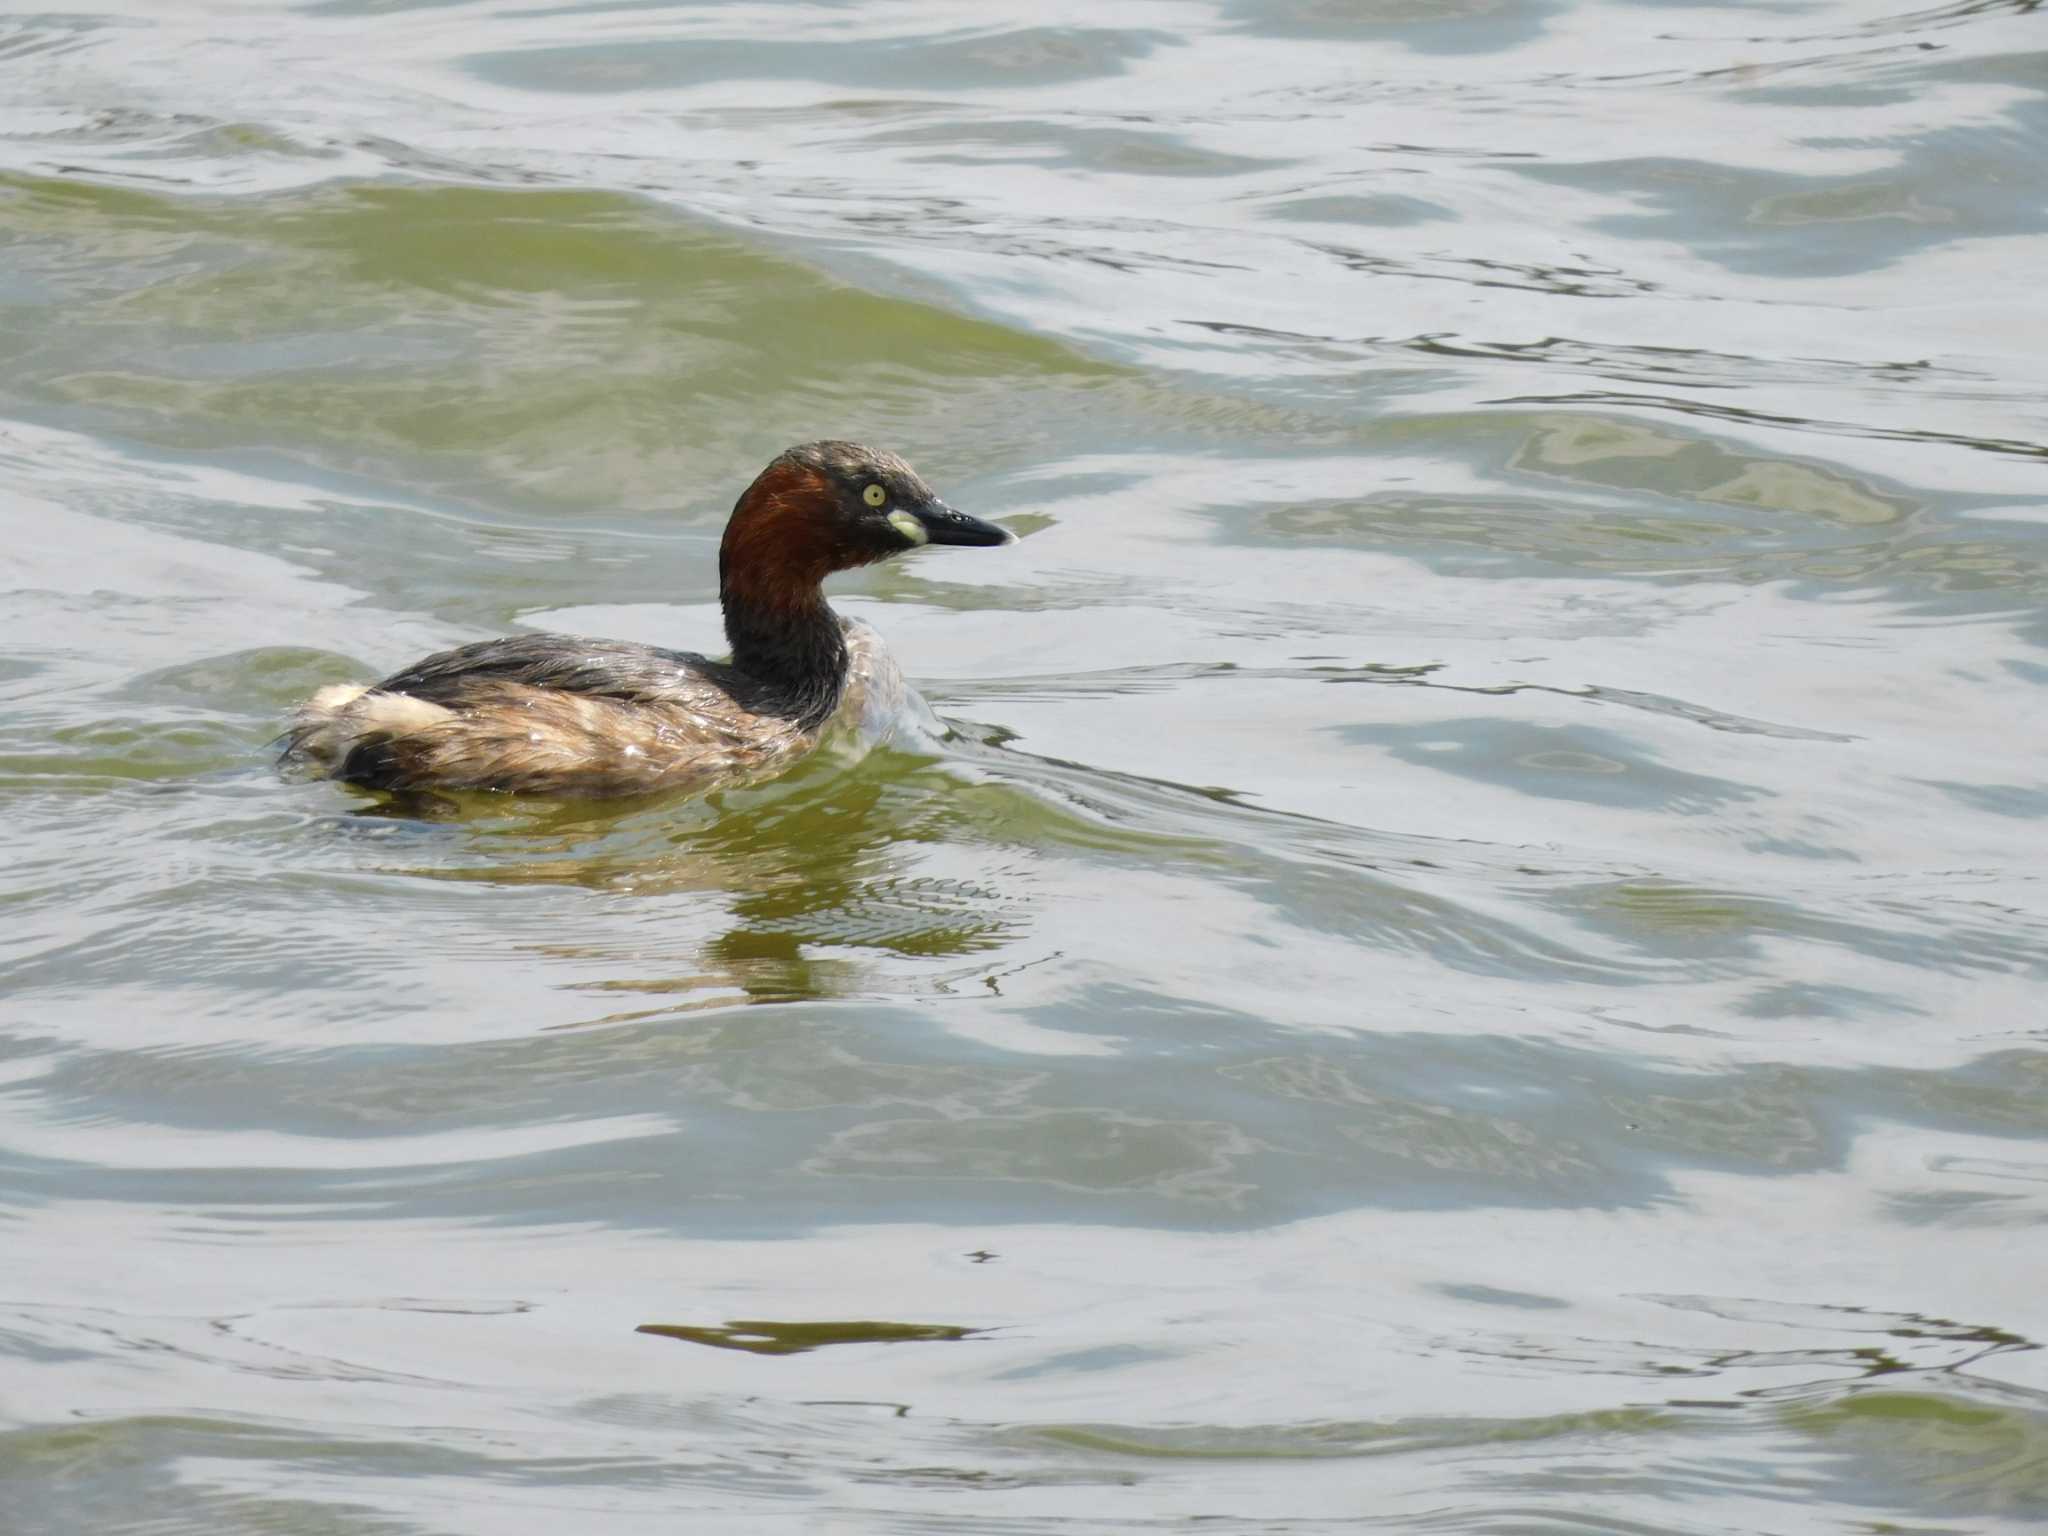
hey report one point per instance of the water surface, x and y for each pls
(1471, 958)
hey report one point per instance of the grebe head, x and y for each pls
(830, 506)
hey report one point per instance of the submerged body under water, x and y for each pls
(1466, 951)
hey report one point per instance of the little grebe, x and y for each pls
(563, 715)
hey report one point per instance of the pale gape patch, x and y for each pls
(909, 527)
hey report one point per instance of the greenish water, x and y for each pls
(1471, 958)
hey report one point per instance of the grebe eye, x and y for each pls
(874, 495)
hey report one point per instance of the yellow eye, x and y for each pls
(874, 495)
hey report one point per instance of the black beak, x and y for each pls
(947, 526)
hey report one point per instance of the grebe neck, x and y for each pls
(782, 541)
(792, 645)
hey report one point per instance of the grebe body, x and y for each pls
(559, 714)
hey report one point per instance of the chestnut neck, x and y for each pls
(787, 644)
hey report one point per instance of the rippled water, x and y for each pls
(1473, 959)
